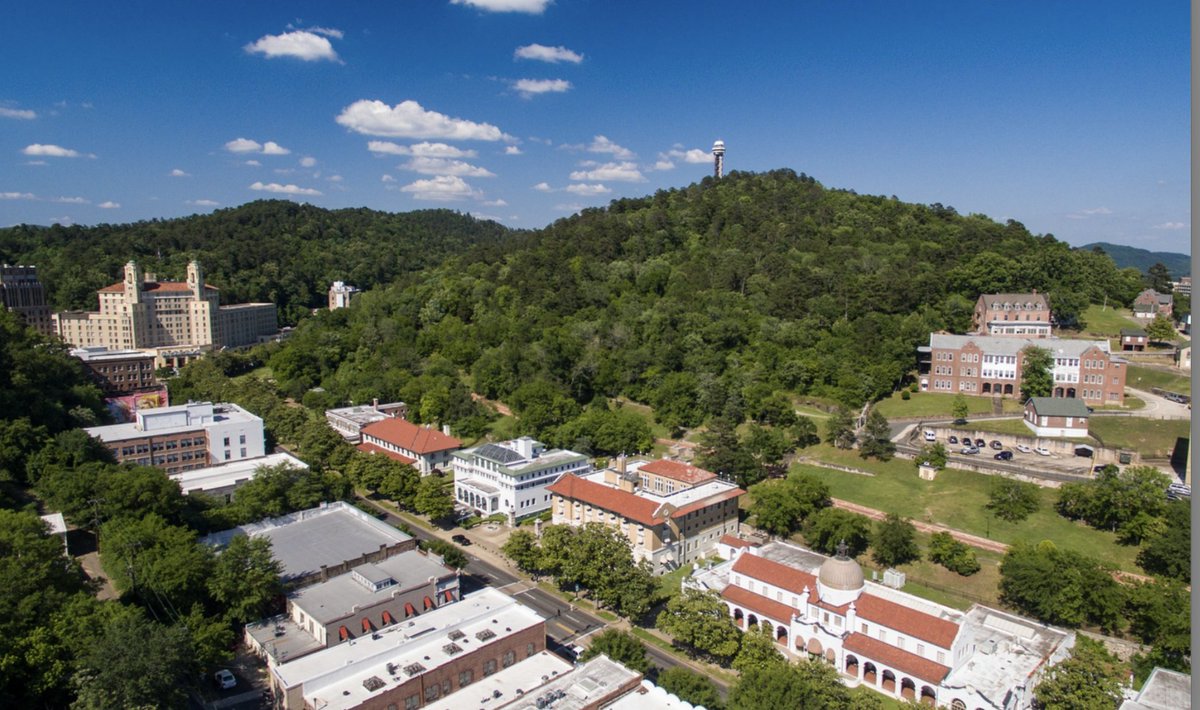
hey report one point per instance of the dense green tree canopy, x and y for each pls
(781, 506)
(699, 620)
(1090, 678)
(1060, 586)
(895, 541)
(621, 646)
(827, 528)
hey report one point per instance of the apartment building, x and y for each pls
(142, 313)
(894, 643)
(673, 513)
(22, 293)
(1021, 315)
(983, 365)
(512, 477)
(185, 437)
(424, 447)
(340, 295)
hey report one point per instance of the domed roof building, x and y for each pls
(840, 579)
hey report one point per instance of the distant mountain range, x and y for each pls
(1124, 256)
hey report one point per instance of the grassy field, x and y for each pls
(936, 404)
(1145, 378)
(957, 499)
(1153, 438)
(1107, 322)
(1011, 426)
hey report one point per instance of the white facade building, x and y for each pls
(511, 477)
(158, 437)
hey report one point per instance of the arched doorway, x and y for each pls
(831, 657)
(1071, 392)
(799, 643)
(1008, 389)
(1058, 391)
(738, 617)
(766, 626)
(869, 674)
(751, 621)
(814, 647)
(781, 635)
(851, 665)
(908, 689)
(888, 682)
(957, 704)
(928, 697)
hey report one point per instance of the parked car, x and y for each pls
(980, 444)
(1098, 469)
(970, 450)
(1042, 451)
(996, 445)
(1023, 448)
(930, 436)
(224, 679)
(1004, 456)
(952, 439)
(461, 539)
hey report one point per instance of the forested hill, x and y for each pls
(694, 300)
(269, 250)
(1142, 259)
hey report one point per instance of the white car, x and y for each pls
(1023, 448)
(1042, 451)
(224, 679)
(930, 436)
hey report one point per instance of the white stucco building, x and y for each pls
(892, 642)
(511, 477)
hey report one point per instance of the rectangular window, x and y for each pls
(489, 667)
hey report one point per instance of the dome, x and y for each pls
(841, 573)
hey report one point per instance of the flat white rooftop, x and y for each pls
(333, 679)
(328, 535)
(231, 474)
(340, 596)
(101, 354)
(678, 499)
(164, 421)
(509, 684)
(597, 680)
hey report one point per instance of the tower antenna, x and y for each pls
(718, 152)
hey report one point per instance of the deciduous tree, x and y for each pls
(895, 541)
(690, 686)
(825, 529)
(700, 620)
(1012, 500)
(1036, 377)
(621, 646)
(1090, 678)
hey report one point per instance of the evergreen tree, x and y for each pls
(875, 441)
(840, 429)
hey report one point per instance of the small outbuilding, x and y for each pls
(1134, 339)
(1057, 416)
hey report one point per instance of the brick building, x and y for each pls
(1150, 304)
(185, 437)
(1021, 315)
(991, 366)
(424, 447)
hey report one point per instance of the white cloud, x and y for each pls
(534, 87)
(1171, 225)
(424, 149)
(663, 164)
(50, 150)
(203, 203)
(17, 196)
(253, 163)
(335, 178)
(300, 44)
(178, 173)
(543, 187)
(245, 145)
(442, 188)
(327, 31)
(35, 162)
(1084, 214)
(408, 119)
(284, 189)
(601, 144)
(542, 53)
(512, 150)
(308, 161)
(495, 203)
(613, 172)
(283, 171)
(72, 200)
(442, 166)
(695, 155)
(387, 178)
(17, 113)
(568, 208)
(532, 7)
(109, 205)
(586, 189)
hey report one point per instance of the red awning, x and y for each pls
(366, 626)
(409, 610)
(449, 594)
(343, 633)
(387, 618)
(428, 603)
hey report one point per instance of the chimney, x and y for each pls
(375, 403)
(621, 463)
(446, 429)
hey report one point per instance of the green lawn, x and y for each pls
(937, 404)
(658, 430)
(1152, 438)
(668, 584)
(957, 498)
(1107, 322)
(1145, 378)
(1007, 426)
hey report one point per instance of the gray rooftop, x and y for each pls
(343, 594)
(1163, 690)
(589, 683)
(1133, 332)
(999, 345)
(1008, 650)
(328, 535)
(499, 454)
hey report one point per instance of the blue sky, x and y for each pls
(1072, 118)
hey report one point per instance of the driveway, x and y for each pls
(1158, 407)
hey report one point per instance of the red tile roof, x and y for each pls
(870, 649)
(623, 503)
(409, 436)
(180, 286)
(869, 607)
(705, 502)
(678, 471)
(775, 573)
(373, 449)
(736, 541)
(757, 603)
